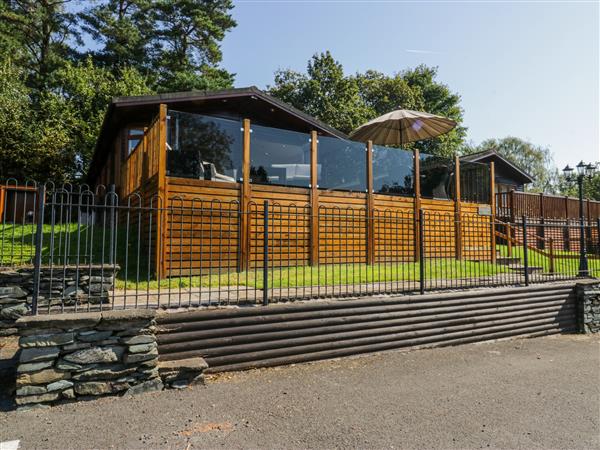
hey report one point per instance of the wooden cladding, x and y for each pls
(212, 225)
(513, 205)
(145, 159)
(206, 227)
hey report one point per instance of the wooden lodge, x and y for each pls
(198, 155)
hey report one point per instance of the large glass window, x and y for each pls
(279, 157)
(393, 171)
(436, 176)
(341, 164)
(203, 147)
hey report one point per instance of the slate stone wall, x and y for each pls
(58, 286)
(66, 357)
(588, 296)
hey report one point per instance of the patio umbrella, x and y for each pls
(401, 127)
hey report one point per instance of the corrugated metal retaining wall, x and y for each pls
(243, 338)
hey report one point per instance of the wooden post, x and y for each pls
(541, 228)
(417, 202)
(512, 206)
(2, 199)
(551, 243)
(245, 196)
(589, 219)
(163, 193)
(314, 200)
(566, 231)
(457, 210)
(493, 210)
(509, 239)
(370, 206)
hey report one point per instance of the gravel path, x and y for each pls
(529, 393)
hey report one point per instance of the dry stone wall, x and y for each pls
(66, 286)
(67, 357)
(589, 307)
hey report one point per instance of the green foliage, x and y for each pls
(533, 159)
(591, 187)
(436, 98)
(346, 102)
(32, 139)
(53, 94)
(124, 30)
(324, 92)
(42, 34)
(85, 91)
(174, 43)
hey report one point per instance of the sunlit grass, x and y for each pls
(565, 262)
(329, 274)
(17, 248)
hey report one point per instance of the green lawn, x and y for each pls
(332, 274)
(562, 265)
(16, 248)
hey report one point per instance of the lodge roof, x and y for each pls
(508, 168)
(248, 102)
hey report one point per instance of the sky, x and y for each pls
(525, 69)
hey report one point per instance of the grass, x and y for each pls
(562, 265)
(17, 248)
(329, 274)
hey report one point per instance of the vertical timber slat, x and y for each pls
(457, 210)
(161, 148)
(493, 211)
(314, 200)
(541, 228)
(370, 206)
(417, 202)
(246, 195)
(2, 198)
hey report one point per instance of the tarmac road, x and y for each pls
(529, 393)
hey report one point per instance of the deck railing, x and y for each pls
(513, 205)
(88, 250)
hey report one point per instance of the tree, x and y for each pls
(533, 159)
(55, 137)
(186, 44)
(346, 102)
(324, 92)
(85, 93)
(174, 43)
(45, 33)
(436, 98)
(124, 29)
(382, 93)
(591, 187)
(32, 140)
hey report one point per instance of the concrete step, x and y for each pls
(521, 268)
(507, 260)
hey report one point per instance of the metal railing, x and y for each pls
(90, 250)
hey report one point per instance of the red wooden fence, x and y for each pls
(513, 205)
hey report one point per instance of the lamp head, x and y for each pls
(590, 170)
(568, 172)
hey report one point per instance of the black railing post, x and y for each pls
(525, 252)
(39, 234)
(266, 255)
(421, 253)
(598, 237)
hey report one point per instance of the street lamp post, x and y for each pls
(583, 171)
